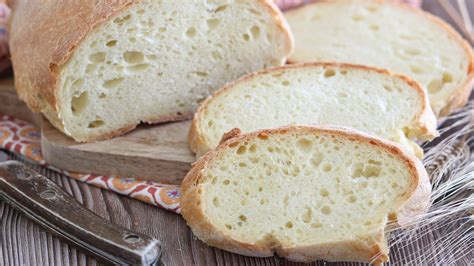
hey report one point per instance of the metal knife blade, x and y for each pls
(47, 204)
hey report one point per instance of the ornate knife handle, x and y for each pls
(47, 204)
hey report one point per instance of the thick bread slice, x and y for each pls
(96, 69)
(391, 36)
(305, 193)
(372, 100)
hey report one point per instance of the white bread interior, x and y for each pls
(305, 193)
(156, 60)
(390, 36)
(371, 100)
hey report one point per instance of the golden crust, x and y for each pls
(424, 125)
(460, 97)
(202, 227)
(44, 37)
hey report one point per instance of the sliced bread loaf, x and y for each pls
(371, 100)
(305, 193)
(96, 69)
(391, 36)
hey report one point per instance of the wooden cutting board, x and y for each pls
(151, 152)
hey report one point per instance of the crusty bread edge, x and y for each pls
(460, 97)
(206, 231)
(45, 100)
(424, 124)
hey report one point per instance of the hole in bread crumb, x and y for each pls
(242, 164)
(151, 57)
(394, 185)
(263, 201)
(357, 17)
(329, 73)
(255, 32)
(243, 202)
(96, 123)
(200, 74)
(216, 55)
(102, 95)
(374, 27)
(241, 150)
(326, 210)
(97, 57)
(138, 68)
(253, 148)
(228, 226)
(191, 32)
(289, 225)
(352, 199)
(262, 136)
(243, 218)
(133, 57)
(111, 43)
(90, 68)
(387, 88)
(214, 180)
(447, 78)
(226, 182)
(416, 69)
(113, 83)
(246, 37)
(285, 83)
(363, 184)
(221, 8)
(307, 215)
(375, 162)
(316, 225)
(213, 23)
(323, 192)
(327, 167)
(79, 103)
(285, 200)
(304, 145)
(216, 202)
(317, 159)
(372, 9)
(371, 171)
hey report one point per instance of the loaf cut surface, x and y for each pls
(305, 193)
(96, 69)
(375, 101)
(387, 35)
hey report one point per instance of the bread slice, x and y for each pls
(96, 69)
(372, 100)
(305, 193)
(387, 35)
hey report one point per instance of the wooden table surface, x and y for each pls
(22, 242)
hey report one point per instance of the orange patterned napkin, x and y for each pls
(23, 139)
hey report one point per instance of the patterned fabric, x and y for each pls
(24, 139)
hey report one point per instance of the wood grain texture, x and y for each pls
(162, 148)
(24, 243)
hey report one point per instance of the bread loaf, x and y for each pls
(305, 193)
(96, 69)
(387, 35)
(372, 100)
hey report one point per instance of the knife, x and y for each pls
(46, 203)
